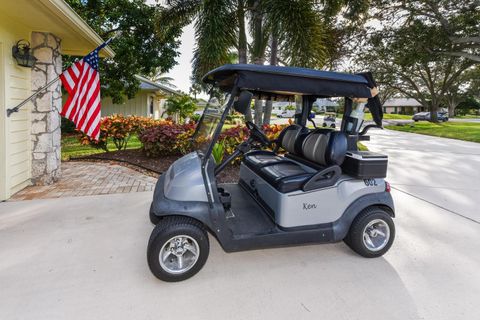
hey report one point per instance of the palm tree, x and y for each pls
(159, 77)
(294, 30)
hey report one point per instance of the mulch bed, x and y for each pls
(137, 160)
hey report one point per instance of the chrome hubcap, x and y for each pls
(179, 254)
(376, 235)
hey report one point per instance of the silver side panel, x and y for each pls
(301, 208)
(184, 180)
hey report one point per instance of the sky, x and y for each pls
(182, 71)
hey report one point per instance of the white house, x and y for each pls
(148, 102)
(402, 106)
(326, 104)
(30, 138)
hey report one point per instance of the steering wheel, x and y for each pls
(257, 134)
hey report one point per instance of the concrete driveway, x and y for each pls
(84, 258)
(442, 171)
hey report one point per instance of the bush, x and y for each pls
(183, 105)
(67, 126)
(235, 118)
(118, 129)
(232, 137)
(166, 138)
(218, 152)
(195, 117)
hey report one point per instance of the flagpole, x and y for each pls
(17, 107)
(21, 104)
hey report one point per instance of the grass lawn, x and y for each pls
(386, 116)
(390, 116)
(455, 130)
(71, 147)
(468, 116)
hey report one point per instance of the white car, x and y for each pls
(286, 114)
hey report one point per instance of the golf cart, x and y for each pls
(329, 120)
(318, 189)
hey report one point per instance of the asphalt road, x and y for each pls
(84, 257)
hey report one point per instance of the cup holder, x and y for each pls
(225, 198)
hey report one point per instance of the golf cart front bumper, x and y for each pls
(162, 206)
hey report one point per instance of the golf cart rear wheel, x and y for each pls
(178, 248)
(371, 233)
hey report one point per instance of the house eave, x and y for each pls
(68, 15)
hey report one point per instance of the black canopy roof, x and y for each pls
(287, 81)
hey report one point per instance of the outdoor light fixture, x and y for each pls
(22, 54)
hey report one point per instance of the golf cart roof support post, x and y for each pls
(219, 127)
(307, 103)
(210, 96)
(216, 134)
(347, 110)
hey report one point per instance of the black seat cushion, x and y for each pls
(286, 176)
(257, 159)
(320, 150)
(289, 141)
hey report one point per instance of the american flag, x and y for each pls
(82, 82)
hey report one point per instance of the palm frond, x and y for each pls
(215, 36)
(301, 32)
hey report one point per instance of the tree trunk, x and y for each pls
(433, 111)
(258, 53)
(258, 111)
(242, 43)
(452, 103)
(273, 61)
(242, 36)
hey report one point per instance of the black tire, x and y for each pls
(324, 124)
(355, 239)
(332, 125)
(165, 230)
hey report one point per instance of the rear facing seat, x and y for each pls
(322, 151)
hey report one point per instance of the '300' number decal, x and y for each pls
(370, 182)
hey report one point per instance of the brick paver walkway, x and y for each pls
(90, 178)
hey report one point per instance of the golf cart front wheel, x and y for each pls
(372, 233)
(178, 248)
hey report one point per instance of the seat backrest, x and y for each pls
(325, 147)
(290, 136)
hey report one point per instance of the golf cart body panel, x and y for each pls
(259, 231)
(313, 207)
(183, 174)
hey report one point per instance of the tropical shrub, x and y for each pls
(218, 152)
(195, 117)
(118, 129)
(183, 105)
(232, 137)
(166, 138)
(67, 126)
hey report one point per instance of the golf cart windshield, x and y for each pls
(206, 126)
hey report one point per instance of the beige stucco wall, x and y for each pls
(15, 86)
(138, 106)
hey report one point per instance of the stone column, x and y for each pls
(45, 132)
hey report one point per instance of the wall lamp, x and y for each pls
(23, 55)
